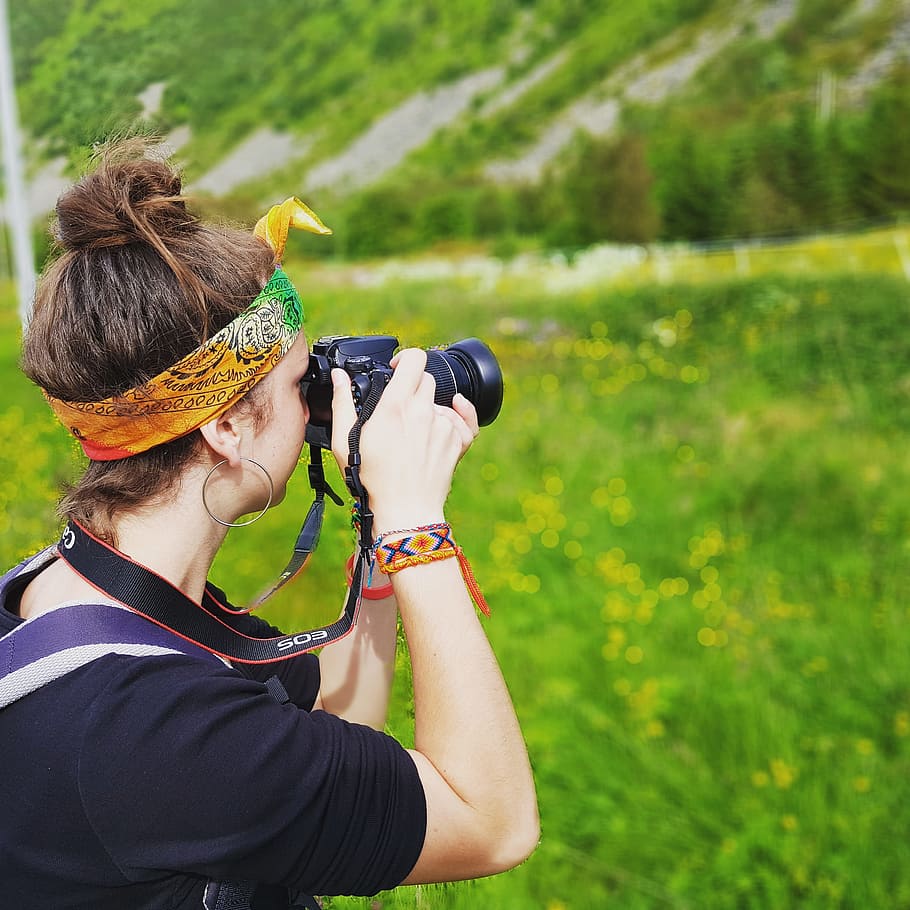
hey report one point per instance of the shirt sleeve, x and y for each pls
(299, 675)
(193, 769)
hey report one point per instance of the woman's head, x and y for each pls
(139, 283)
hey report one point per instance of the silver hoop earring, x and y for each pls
(238, 524)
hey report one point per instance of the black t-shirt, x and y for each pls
(132, 781)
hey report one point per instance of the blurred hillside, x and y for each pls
(502, 122)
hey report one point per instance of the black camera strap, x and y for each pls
(210, 624)
(363, 514)
(308, 538)
(378, 381)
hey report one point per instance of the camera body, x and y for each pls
(468, 367)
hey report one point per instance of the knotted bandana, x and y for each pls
(211, 379)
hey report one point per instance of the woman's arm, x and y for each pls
(357, 671)
(469, 751)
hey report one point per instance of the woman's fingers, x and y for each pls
(462, 417)
(467, 412)
(344, 415)
(410, 445)
(409, 366)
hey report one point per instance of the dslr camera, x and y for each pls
(467, 366)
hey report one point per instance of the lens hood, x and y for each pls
(485, 374)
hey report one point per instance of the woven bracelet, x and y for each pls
(442, 527)
(415, 559)
(424, 545)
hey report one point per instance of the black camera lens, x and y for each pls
(471, 368)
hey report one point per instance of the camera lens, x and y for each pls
(471, 368)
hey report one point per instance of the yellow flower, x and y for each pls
(783, 774)
(654, 729)
(554, 486)
(634, 654)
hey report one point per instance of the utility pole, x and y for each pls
(18, 220)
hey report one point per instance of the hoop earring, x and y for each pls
(237, 524)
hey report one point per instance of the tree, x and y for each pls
(884, 162)
(378, 222)
(693, 187)
(606, 194)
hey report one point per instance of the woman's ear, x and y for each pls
(223, 436)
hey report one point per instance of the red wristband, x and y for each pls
(367, 593)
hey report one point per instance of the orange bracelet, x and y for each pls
(365, 592)
(415, 559)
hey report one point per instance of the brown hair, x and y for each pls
(139, 283)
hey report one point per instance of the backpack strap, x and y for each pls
(55, 643)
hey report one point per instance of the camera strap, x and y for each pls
(210, 624)
(308, 538)
(364, 515)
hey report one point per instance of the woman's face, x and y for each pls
(276, 444)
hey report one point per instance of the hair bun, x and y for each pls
(128, 201)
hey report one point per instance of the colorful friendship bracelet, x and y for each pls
(441, 526)
(423, 545)
(420, 545)
(416, 559)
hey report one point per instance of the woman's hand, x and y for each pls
(409, 447)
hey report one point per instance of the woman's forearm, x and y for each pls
(357, 671)
(467, 737)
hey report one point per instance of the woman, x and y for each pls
(140, 782)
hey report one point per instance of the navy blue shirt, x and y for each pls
(133, 780)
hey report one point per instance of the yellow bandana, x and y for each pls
(210, 380)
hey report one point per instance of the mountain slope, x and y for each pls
(342, 99)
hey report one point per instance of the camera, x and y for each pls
(468, 367)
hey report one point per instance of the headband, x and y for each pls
(211, 379)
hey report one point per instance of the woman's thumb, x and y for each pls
(343, 412)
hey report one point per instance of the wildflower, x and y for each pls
(634, 654)
(782, 773)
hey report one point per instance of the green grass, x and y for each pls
(882, 250)
(692, 521)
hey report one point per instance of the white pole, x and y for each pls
(741, 257)
(903, 251)
(17, 215)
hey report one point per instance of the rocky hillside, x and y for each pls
(570, 120)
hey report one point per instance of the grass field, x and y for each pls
(516, 269)
(692, 521)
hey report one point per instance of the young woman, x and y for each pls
(173, 351)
